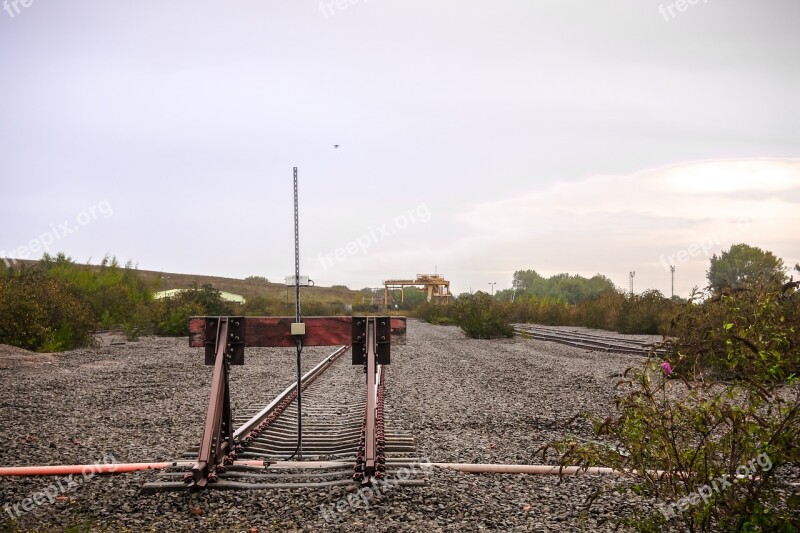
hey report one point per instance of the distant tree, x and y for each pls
(262, 279)
(504, 295)
(415, 297)
(561, 287)
(526, 280)
(744, 266)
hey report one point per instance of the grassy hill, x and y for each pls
(247, 288)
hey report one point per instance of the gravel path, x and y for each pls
(465, 400)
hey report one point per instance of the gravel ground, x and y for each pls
(465, 400)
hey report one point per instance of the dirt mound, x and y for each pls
(12, 356)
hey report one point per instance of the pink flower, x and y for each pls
(667, 368)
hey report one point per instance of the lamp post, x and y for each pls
(164, 285)
(492, 284)
(168, 307)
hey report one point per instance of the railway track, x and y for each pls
(334, 401)
(587, 341)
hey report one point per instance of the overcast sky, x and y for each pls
(476, 138)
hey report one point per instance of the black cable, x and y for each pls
(299, 409)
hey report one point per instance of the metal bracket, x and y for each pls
(235, 344)
(383, 339)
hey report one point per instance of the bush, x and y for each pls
(740, 334)
(261, 306)
(603, 312)
(647, 313)
(40, 313)
(317, 308)
(175, 311)
(114, 294)
(436, 314)
(728, 440)
(481, 317)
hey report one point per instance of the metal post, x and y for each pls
(492, 284)
(630, 280)
(297, 319)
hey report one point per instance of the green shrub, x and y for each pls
(40, 313)
(647, 313)
(174, 311)
(436, 314)
(729, 440)
(114, 294)
(141, 322)
(261, 306)
(740, 334)
(317, 308)
(174, 317)
(602, 312)
(481, 317)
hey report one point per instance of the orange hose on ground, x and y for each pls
(102, 468)
(117, 468)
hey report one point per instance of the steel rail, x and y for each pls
(309, 376)
(578, 340)
(541, 330)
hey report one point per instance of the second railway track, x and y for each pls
(588, 341)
